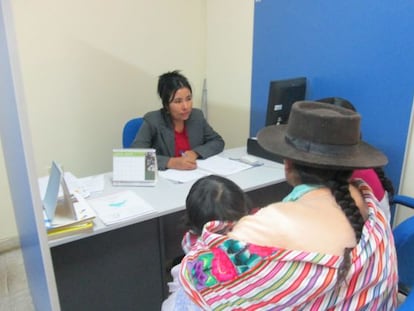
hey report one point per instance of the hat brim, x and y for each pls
(272, 138)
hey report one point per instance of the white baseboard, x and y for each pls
(9, 244)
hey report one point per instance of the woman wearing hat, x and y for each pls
(327, 246)
(381, 185)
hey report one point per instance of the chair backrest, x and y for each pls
(407, 304)
(404, 244)
(130, 131)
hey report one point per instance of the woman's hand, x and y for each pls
(186, 162)
(190, 154)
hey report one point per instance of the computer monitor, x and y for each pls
(282, 94)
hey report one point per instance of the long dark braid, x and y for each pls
(338, 183)
(340, 189)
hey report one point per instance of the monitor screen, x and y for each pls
(282, 94)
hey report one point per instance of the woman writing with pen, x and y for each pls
(179, 133)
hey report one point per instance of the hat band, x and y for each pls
(315, 148)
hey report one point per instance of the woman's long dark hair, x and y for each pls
(168, 84)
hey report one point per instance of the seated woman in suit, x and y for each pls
(179, 133)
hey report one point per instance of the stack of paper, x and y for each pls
(182, 176)
(221, 166)
(120, 206)
(82, 214)
(213, 165)
(62, 226)
(55, 233)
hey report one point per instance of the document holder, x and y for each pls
(67, 210)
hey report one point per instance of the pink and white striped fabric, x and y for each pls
(225, 274)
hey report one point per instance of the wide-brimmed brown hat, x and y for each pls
(321, 135)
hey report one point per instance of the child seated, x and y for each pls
(210, 198)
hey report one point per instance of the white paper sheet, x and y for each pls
(214, 165)
(120, 206)
(182, 176)
(221, 166)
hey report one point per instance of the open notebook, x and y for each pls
(134, 167)
(66, 210)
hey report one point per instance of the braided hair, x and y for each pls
(338, 182)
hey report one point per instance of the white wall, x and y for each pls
(407, 176)
(88, 66)
(7, 220)
(229, 67)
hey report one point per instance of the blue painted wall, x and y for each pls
(359, 50)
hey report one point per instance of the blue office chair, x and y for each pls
(130, 131)
(404, 243)
(408, 304)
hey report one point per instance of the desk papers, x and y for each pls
(221, 166)
(73, 183)
(83, 186)
(92, 184)
(213, 165)
(120, 206)
(83, 213)
(181, 176)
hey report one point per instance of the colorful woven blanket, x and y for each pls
(220, 273)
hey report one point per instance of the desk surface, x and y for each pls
(168, 197)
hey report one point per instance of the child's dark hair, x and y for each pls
(168, 84)
(214, 198)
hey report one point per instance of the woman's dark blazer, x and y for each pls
(157, 132)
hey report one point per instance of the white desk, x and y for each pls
(168, 197)
(124, 264)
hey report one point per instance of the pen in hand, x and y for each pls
(184, 162)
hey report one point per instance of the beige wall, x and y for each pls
(90, 65)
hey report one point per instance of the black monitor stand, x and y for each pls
(255, 149)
